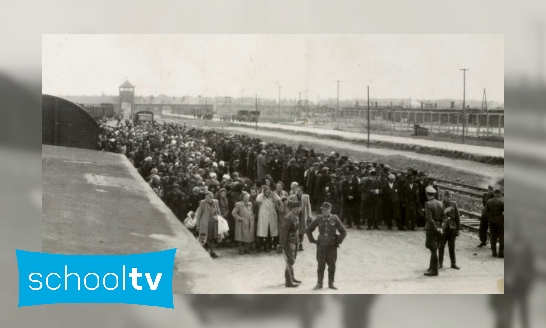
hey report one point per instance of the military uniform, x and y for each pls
(327, 244)
(452, 228)
(288, 240)
(435, 217)
(494, 213)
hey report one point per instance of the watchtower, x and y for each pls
(126, 98)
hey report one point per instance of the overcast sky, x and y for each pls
(395, 66)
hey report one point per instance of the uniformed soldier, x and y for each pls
(435, 217)
(288, 242)
(327, 243)
(452, 228)
(494, 212)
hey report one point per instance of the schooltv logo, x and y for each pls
(143, 279)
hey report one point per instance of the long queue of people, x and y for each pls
(203, 174)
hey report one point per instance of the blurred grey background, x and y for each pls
(524, 26)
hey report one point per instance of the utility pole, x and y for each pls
(337, 106)
(256, 111)
(368, 116)
(484, 100)
(464, 99)
(279, 102)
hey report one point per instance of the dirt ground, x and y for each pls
(371, 262)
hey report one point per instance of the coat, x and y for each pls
(267, 215)
(305, 211)
(276, 167)
(202, 217)
(244, 222)
(261, 167)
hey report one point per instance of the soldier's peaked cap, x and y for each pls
(430, 190)
(327, 206)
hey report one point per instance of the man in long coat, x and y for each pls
(305, 214)
(410, 196)
(268, 227)
(373, 189)
(261, 165)
(312, 181)
(276, 167)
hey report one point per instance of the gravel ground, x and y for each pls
(371, 262)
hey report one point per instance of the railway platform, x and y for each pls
(96, 203)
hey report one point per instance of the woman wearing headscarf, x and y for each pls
(223, 203)
(244, 223)
(279, 191)
(268, 227)
(207, 222)
(293, 188)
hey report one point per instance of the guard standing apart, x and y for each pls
(288, 242)
(453, 226)
(327, 243)
(435, 217)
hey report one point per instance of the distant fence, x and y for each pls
(477, 124)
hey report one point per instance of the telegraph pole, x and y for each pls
(368, 116)
(256, 111)
(279, 102)
(337, 106)
(464, 99)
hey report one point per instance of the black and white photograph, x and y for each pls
(282, 163)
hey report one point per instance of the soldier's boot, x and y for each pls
(320, 280)
(294, 277)
(494, 251)
(288, 280)
(453, 261)
(440, 260)
(331, 276)
(501, 255)
(482, 244)
(300, 247)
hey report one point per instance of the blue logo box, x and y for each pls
(143, 279)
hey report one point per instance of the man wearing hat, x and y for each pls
(327, 243)
(494, 212)
(261, 165)
(372, 192)
(276, 166)
(288, 242)
(484, 225)
(422, 182)
(345, 192)
(452, 228)
(311, 183)
(435, 218)
(332, 193)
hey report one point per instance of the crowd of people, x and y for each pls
(203, 173)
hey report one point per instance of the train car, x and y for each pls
(242, 116)
(254, 116)
(100, 111)
(144, 116)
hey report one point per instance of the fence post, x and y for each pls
(457, 123)
(487, 123)
(499, 116)
(478, 125)
(448, 122)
